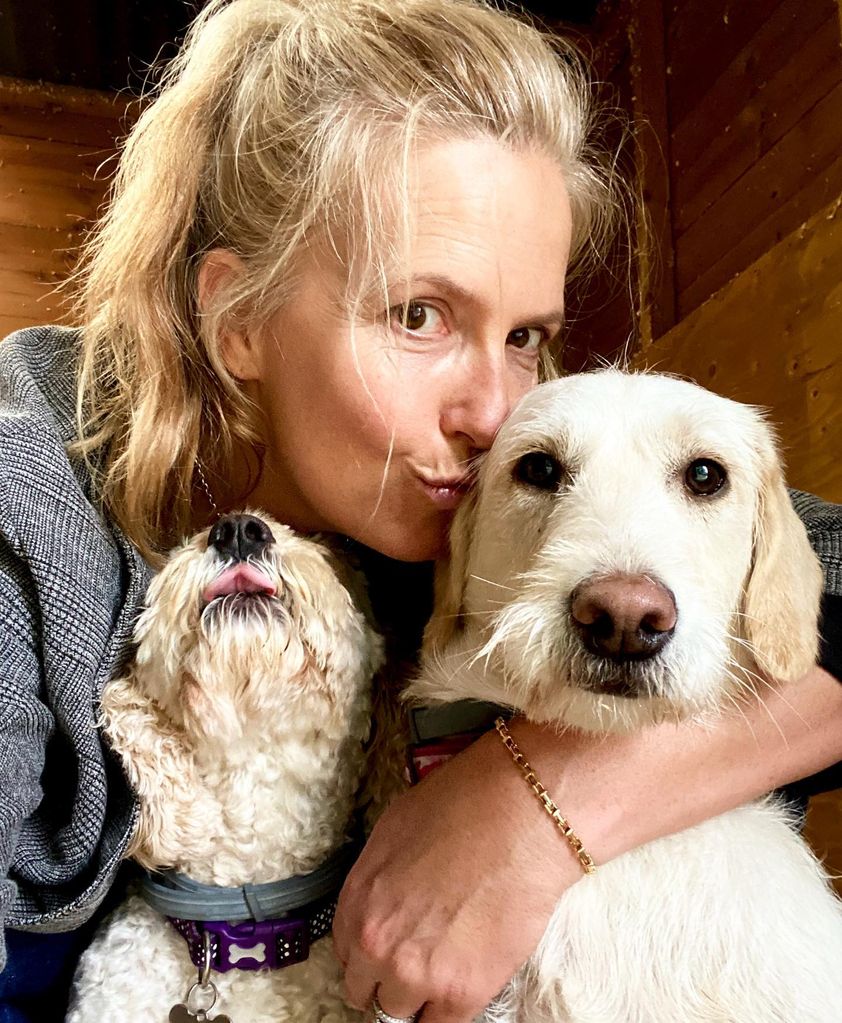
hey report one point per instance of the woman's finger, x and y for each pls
(360, 983)
(438, 1013)
(400, 1003)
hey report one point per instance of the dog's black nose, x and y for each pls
(240, 536)
(624, 617)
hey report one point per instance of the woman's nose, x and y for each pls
(480, 398)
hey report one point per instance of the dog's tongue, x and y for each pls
(241, 578)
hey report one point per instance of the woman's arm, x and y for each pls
(25, 721)
(670, 777)
(460, 876)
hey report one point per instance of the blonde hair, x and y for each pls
(277, 121)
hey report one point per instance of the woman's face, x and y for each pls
(371, 425)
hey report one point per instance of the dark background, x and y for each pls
(110, 44)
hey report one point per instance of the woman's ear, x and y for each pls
(218, 270)
(782, 594)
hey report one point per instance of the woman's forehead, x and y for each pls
(481, 201)
(476, 221)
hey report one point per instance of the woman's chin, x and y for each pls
(423, 543)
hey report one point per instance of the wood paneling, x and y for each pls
(703, 38)
(824, 833)
(602, 309)
(754, 101)
(57, 148)
(656, 265)
(797, 177)
(790, 65)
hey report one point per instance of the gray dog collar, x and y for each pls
(177, 895)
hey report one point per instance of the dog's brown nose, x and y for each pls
(240, 536)
(624, 617)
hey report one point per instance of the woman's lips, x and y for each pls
(445, 494)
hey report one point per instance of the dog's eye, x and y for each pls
(704, 476)
(538, 469)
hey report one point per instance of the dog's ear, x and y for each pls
(783, 591)
(451, 579)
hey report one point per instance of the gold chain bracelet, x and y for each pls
(561, 822)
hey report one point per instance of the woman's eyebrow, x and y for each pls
(468, 297)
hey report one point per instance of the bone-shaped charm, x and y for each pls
(256, 952)
(181, 1014)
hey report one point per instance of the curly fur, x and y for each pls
(241, 727)
(728, 922)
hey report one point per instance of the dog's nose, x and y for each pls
(624, 617)
(240, 536)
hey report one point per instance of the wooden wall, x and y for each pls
(57, 147)
(754, 103)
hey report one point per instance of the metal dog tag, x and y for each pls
(203, 988)
(181, 1014)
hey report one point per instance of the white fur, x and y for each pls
(241, 726)
(728, 922)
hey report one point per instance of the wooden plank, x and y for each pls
(14, 321)
(824, 835)
(702, 41)
(46, 208)
(47, 184)
(95, 103)
(656, 265)
(771, 337)
(761, 96)
(601, 310)
(33, 248)
(53, 123)
(608, 38)
(82, 117)
(820, 190)
(759, 208)
(789, 29)
(52, 140)
(61, 161)
(32, 296)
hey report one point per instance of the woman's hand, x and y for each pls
(453, 890)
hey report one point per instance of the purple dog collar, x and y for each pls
(253, 926)
(257, 944)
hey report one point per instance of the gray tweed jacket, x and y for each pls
(70, 588)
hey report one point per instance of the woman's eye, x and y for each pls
(417, 317)
(527, 338)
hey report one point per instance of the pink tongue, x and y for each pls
(242, 578)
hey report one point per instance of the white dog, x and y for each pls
(241, 726)
(630, 554)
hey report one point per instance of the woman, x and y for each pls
(334, 259)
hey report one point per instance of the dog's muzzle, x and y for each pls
(623, 619)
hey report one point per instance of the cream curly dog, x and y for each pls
(241, 726)
(630, 554)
